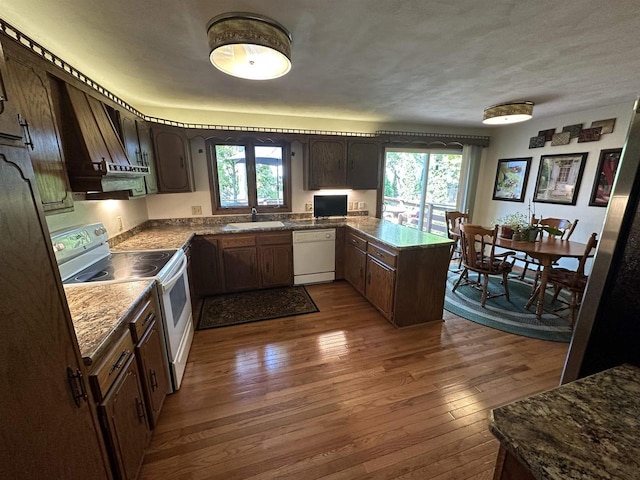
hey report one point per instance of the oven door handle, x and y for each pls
(172, 281)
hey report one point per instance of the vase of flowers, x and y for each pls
(511, 224)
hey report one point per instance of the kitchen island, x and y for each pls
(587, 429)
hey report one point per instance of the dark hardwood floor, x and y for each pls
(342, 394)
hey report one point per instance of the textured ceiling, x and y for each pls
(405, 61)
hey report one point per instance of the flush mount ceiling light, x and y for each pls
(505, 113)
(248, 45)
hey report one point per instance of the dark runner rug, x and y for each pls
(243, 307)
(509, 315)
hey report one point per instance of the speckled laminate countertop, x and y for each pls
(97, 311)
(175, 236)
(587, 429)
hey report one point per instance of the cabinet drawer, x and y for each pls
(357, 242)
(233, 241)
(274, 238)
(382, 255)
(141, 319)
(107, 371)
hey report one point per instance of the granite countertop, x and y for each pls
(587, 429)
(175, 234)
(97, 311)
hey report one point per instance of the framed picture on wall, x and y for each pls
(559, 178)
(511, 179)
(605, 175)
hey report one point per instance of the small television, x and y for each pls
(329, 205)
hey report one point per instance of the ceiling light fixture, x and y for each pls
(505, 113)
(248, 45)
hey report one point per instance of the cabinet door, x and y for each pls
(153, 368)
(173, 160)
(146, 149)
(126, 422)
(355, 261)
(45, 433)
(327, 164)
(363, 165)
(206, 266)
(30, 88)
(9, 125)
(379, 289)
(132, 147)
(240, 269)
(276, 265)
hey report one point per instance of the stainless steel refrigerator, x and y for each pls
(607, 331)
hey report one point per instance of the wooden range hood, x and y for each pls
(97, 163)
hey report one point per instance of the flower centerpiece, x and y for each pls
(511, 224)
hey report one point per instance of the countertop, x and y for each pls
(97, 311)
(172, 235)
(587, 429)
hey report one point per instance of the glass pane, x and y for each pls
(269, 185)
(404, 172)
(442, 190)
(231, 162)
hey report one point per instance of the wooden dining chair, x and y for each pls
(454, 219)
(566, 228)
(478, 245)
(574, 281)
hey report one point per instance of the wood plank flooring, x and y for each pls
(342, 394)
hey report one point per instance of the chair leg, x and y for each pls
(485, 285)
(556, 293)
(457, 284)
(572, 309)
(524, 270)
(505, 282)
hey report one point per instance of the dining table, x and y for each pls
(546, 250)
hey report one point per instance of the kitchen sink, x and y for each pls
(251, 225)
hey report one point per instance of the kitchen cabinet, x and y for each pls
(10, 130)
(151, 357)
(406, 285)
(136, 138)
(256, 261)
(207, 279)
(355, 261)
(275, 256)
(342, 163)
(240, 263)
(49, 428)
(117, 386)
(173, 159)
(29, 85)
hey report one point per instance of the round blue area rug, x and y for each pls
(509, 315)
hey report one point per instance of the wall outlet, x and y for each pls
(196, 210)
(308, 206)
(119, 223)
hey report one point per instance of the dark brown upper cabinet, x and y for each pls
(10, 130)
(29, 89)
(136, 137)
(335, 162)
(173, 159)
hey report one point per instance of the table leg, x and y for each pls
(544, 278)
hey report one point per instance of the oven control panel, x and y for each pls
(72, 242)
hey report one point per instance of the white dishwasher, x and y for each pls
(314, 256)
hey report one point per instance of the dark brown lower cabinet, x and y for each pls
(240, 268)
(275, 257)
(355, 264)
(150, 356)
(125, 421)
(380, 285)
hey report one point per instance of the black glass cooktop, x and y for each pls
(124, 265)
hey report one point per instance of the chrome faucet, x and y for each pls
(254, 214)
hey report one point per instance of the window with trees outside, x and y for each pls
(419, 186)
(246, 175)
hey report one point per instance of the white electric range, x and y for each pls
(83, 256)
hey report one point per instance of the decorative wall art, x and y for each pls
(537, 142)
(559, 178)
(560, 139)
(547, 134)
(605, 175)
(574, 130)
(589, 135)
(607, 125)
(511, 179)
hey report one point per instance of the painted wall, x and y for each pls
(131, 213)
(179, 204)
(513, 142)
